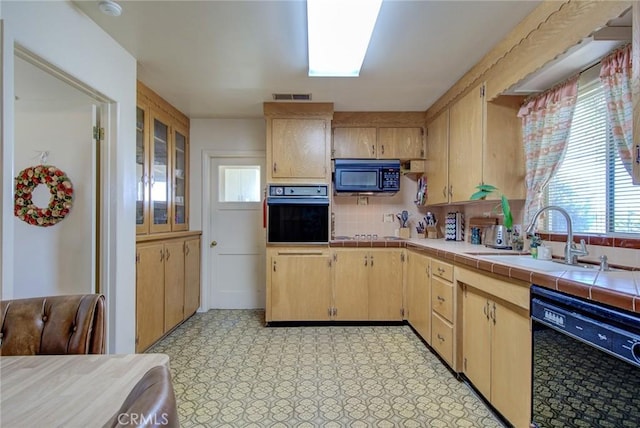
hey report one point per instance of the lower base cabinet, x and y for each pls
(368, 284)
(319, 284)
(299, 285)
(497, 344)
(419, 294)
(167, 286)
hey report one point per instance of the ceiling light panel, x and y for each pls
(338, 34)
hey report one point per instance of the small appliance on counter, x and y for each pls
(497, 236)
(454, 227)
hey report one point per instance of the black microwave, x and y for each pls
(366, 176)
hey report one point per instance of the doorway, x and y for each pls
(236, 277)
(56, 123)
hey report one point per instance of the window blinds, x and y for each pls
(591, 183)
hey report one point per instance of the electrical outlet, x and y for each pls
(363, 200)
(388, 218)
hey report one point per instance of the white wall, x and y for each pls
(218, 135)
(58, 259)
(64, 37)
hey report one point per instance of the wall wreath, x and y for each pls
(61, 195)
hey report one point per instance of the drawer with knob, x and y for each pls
(442, 270)
(442, 338)
(442, 299)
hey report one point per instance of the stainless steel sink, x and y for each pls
(537, 264)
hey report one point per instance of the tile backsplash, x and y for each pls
(352, 219)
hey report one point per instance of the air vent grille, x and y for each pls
(292, 97)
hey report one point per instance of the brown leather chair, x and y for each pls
(151, 403)
(53, 325)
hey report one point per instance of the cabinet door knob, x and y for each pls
(213, 244)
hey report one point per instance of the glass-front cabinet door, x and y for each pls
(180, 174)
(160, 177)
(142, 175)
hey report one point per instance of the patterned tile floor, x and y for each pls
(230, 371)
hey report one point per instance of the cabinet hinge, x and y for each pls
(335, 257)
(402, 257)
(482, 91)
(98, 133)
(335, 312)
(402, 312)
(465, 363)
(137, 257)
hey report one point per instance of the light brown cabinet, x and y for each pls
(368, 284)
(298, 142)
(351, 285)
(173, 284)
(167, 285)
(316, 284)
(298, 285)
(443, 311)
(298, 148)
(401, 143)
(149, 294)
(419, 294)
(355, 143)
(191, 276)
(497, 344)
(484, 146)
(162, 169)
(437, 160)
(378, 142)
(465, 145)
(385, 285)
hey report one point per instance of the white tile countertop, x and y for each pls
(618, 288)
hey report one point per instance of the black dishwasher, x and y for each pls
(586, 363)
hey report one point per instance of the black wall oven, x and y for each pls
(298, 214)
(586, 363)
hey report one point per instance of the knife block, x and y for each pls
(404, 233)
(432, 232)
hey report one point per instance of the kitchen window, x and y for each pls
(239, 183)
(591, 183)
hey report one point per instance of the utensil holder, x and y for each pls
(404, 232)
(432, 232)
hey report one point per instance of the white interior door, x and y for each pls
(237, 247)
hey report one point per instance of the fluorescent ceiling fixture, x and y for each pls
(339, 33)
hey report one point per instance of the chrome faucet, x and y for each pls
(571, 252)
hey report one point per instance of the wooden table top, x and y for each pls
(68, 390)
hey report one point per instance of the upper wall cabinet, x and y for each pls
(378, 135)
(162, 164)
(484, 146)
(378, 143)
(298, 142)
(401, 143)
(437, 162)
(355, 143)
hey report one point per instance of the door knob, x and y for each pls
(213, 244)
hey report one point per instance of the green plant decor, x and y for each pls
(485, 190)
